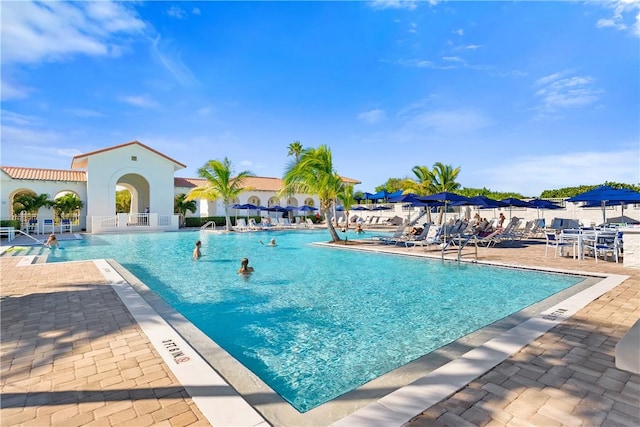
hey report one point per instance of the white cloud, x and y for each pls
(204, 111)
(53, 31)
(624, 14)
(195, 11)
(17, 118)
(68, 152)
(394, 4)
(564, 90)
(11, 90)
(445, 122)
(171, 60)
(83, 112)
(143, 101)
(372, 117)
(176, 12)
(531, 175)
(459, 32)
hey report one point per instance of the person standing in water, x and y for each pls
(244, 267)
(196, 251)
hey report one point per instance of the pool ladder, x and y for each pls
(462, 242)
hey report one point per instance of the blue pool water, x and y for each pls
(315, 322)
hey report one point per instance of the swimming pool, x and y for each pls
(313, 322)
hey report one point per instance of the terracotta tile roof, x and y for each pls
(350, 180)
(44, 174)
(188, 182)
(80, 160)
(258, 183)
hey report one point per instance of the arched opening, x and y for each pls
(138, 188)
(66, 207)
(254, 200)
(273, 201)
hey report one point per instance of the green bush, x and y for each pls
(199, 222)
(10, 223)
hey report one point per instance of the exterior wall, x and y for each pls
(151, 174)
(10, 187)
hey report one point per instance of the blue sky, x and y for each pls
(522, 96)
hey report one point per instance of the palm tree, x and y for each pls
(314, 174)
(220, 185)
(181, 206)
(295, 149)
(348, 198)
(30, 202)
(421, 185)
(67, 204)
(443, 178)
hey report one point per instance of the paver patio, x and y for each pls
(72, 355)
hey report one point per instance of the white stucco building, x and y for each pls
(148, 175)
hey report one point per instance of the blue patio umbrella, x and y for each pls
(360, 208)
(446, 197)
(394, 194)
(541, 204)
(409, 197)
(604, 194)
(382, 194)
(512, 201)
(307, 208)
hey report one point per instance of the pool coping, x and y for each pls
(399, 406)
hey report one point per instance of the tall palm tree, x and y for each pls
(422, 184)
(314, 174)
(348, 198)
(295, 149)
(443, 178)
(220, 185)
(181, 206)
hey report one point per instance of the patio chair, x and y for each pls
(47, 223)
(32, 226)
(554, 241)
(65, 224)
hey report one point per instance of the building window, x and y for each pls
(134, 158)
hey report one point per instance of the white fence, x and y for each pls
(132, 222)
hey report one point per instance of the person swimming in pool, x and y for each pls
(244, 267)
(272, 242)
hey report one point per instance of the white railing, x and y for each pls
(164, 220)
(108, 221)
(138, 219)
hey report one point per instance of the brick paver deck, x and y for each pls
(72, 355)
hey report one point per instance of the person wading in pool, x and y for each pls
(244, 267)
(52, 242)
(196, 251)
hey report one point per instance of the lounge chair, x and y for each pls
(413, 240)
(241, 225)
(47, 224)
(386, 239)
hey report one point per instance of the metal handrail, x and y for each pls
(209, 224)
(29, 236)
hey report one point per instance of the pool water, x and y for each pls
(315, 322)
